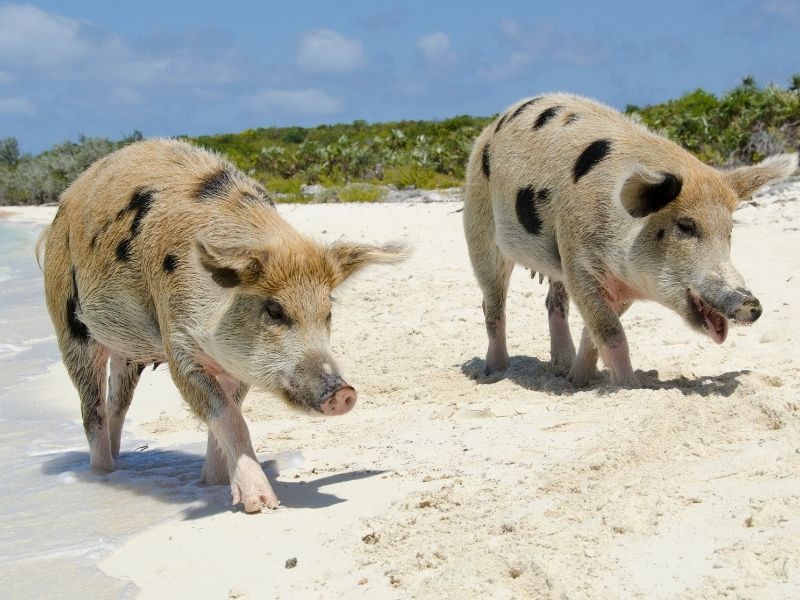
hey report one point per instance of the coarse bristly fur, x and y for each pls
(164, 252)
(612, 213)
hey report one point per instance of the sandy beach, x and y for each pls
(445, 484)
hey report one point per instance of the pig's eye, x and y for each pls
(686, 227)
(274, 309)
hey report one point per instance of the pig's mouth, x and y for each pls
(707, 317)
(336, 398)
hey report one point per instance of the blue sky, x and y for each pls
(167, 68)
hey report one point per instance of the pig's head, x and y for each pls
(274, 329)
(681, 254)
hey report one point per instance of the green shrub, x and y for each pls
(743, 125)
(279, 185)
(413, 175)
(360, 192)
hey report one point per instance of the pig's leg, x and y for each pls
(215, 466)
(492, 270)
(85, 361)
(122, 379)
(562, 350)
(493, 275)
(211, 393)
(606, 332)
(615, 363)
(585, 364)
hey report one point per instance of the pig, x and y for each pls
(612, 213)
(163, 252)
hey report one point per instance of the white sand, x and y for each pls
(441, 486)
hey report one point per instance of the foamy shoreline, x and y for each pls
(441, 485)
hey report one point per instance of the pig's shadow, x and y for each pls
(534, 374)
(173, 476)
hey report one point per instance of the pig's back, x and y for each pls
(130, 221)
(568, 144)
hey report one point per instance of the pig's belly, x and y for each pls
(538, 252)
(120, 323)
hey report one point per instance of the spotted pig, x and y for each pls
(612, 213)
(163, 252)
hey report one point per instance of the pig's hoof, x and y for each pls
(495, 364)
(256, 499)
(579, 377)
(249, 486)
(102, 466)
(628, 381)
(562, 363)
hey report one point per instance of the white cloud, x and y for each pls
(544, 43)
(47, 45)
(301, 103)
(16, 107)
(436, 50)
(326, 51)
(32, 37)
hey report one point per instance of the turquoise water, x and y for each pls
(57, 519)
(25, 330)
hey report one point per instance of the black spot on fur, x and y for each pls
(546, 115)
(253, 198)
(77, 328)
(263, 195)
(658, 195)
(214, 185)
(660, 234)
(124, 250)
(557, 300)
(225, 277)
(170, 263)
(500, 123)
(543, 195)
(527, 212)
(100, 232)
(522, 107)
(485, 166)
(140, 204)
(570, 118)
(593, 154)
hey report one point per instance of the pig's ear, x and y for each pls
(745, 181)
(645, 192)
(229, 266)
(348, 258)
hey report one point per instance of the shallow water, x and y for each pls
(57, 519)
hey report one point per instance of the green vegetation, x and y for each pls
(355, 162)
(744, 125)
(428, 154)
(38, 179)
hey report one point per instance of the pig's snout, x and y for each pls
(746, 311)
(340, 402)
